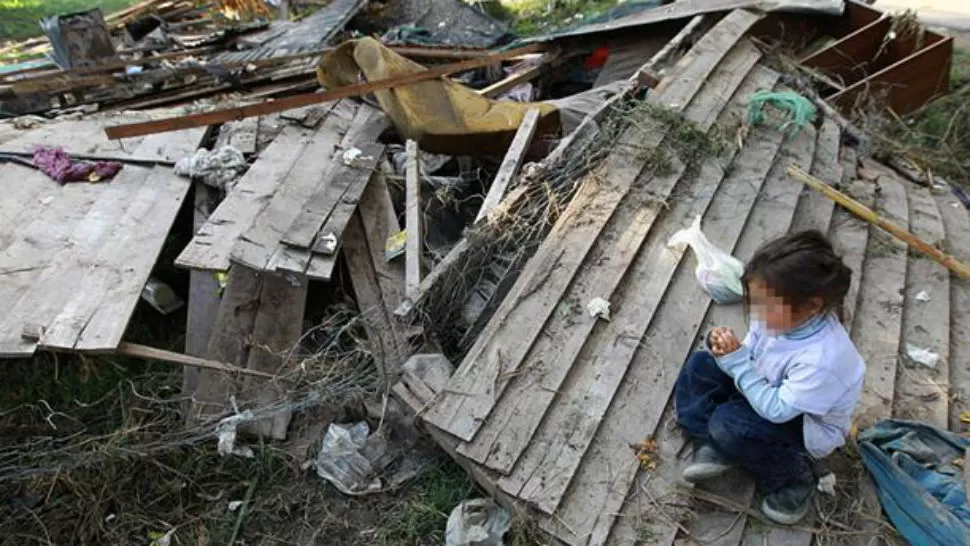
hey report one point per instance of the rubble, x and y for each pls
(537, 319)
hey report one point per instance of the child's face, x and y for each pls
(777, 314)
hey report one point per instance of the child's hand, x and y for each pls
(723, 341)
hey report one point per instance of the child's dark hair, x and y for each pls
(801, 266)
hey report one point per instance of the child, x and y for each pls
(787, 392)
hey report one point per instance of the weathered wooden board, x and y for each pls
(277, 327)
(503, 438)
(850, 234)
(511, 163)
(480, 382)
(877, 328)
(261, 241)
(414, 242)
(815, 210)
(59, 264)
(922, 392)
(212, 245)
(957, 224)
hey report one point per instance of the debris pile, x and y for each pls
(371, 192)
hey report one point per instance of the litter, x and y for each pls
(599, 308)
(342, 463)
(923, 296)
(826, 484)
(477, 522)
(219, 168)
(922, 356)
(798, 110)
(718, 273)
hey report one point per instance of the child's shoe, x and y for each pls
(790, 504)
(707, 464)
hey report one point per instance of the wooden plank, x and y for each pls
(381, 330)
(338, 177)
(151, 353)
(212, 245)
(230, 341)
(288, 103)
(482, 382)
(243, 137)
(922, 392)
(646, 511)
(957, 224)
(203, 300)
(849, 235)
(260, 242)
(333, 228)
(814, 209)
(380, 223)
(847, 60)
(74, 236)
(511, 163)
(878, 326)
(413, 223)
(516, 79)
(276, 331)
(667, 342)
(305, 231)
(511, 426)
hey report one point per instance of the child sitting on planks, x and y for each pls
(784, 395)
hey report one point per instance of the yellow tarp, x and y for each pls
(441, 115)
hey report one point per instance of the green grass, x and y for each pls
(529, 17)
(18, 18)
(421, 518)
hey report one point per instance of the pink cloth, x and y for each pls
(57, 164)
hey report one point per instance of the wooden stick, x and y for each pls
(511, 164)
(151, 353)
(263, 108)
(412, 267)
(870, 216)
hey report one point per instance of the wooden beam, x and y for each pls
(151, 353)
(413, 226)
(511, 164)
(263, 108)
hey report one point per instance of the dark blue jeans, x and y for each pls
(711, 410)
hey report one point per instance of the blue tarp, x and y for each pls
(919, 480)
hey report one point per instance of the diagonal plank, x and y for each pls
(636, 409)
(513, 422)
(922, 392)
(482, 378)
(956, 220)
(878, 326)
(258, 244)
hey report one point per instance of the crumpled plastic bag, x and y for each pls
(341, 462)
(718, 273)
(477, 522)
(219, 168)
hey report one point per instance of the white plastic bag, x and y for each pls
(477, 522)
(341, 462)
(718, 273)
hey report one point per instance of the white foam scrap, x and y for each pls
(599, 308)
(923, 296)
(922, 356)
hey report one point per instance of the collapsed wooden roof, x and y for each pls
(546, 404)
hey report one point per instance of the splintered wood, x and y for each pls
(544, 408)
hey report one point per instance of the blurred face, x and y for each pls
(777, 314)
